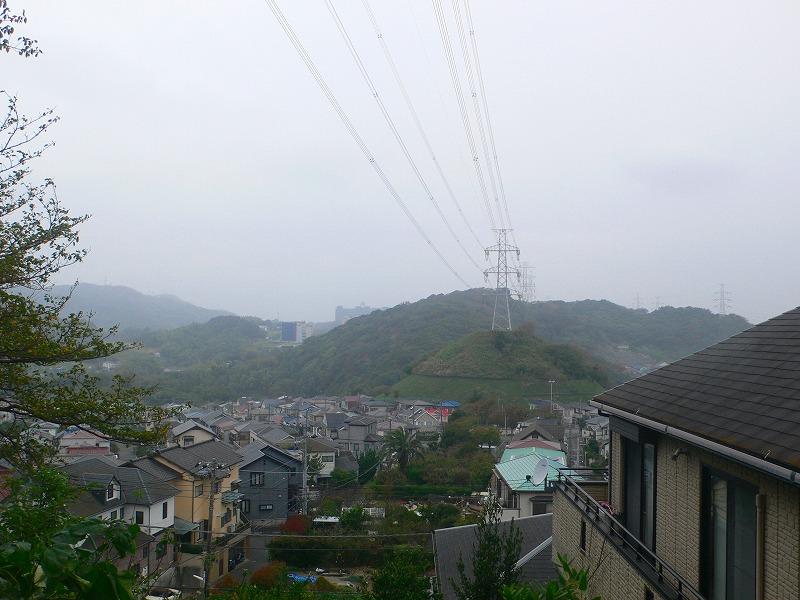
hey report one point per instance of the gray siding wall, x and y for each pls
(274, 491)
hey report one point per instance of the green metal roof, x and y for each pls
(516, 464)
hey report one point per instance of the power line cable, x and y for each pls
(485, 102)
(476, 107)
(326, 90)
(415, 116)
(393, 127)
(462, 106)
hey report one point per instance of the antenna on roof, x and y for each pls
(540, 471)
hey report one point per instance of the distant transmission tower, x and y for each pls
(527, 286)
(723, 300)
(501, 319)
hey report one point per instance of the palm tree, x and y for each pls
(404, 445)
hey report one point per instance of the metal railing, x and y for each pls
(647, 562)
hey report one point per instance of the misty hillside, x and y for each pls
(132, 310)
(377, 350)
(506, 365)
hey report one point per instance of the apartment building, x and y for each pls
(704, 477)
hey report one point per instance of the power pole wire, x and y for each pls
(393, 127)
(477, 108)
(485, 102)
(309, 63)
(417, 121)
(462, 106)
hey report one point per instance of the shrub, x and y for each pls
(270, 575)
(227, 582)
(296, 524)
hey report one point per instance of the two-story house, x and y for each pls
(272, 483)
(514, 478)
(186, 468)
(190, 432)
(325, 452)
(704, 477)
(360, 434)
(114, 492)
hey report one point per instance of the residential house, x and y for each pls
(454, 544)
(360, 434)
(325, 451)
(334, 423)
(272, 483)
(75, 441)
(515, 483)
(185, 469)
(113, 492)
(704, 477)
(190, 432)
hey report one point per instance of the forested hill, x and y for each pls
(379, 349)
(132, 310)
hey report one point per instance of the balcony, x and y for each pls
(582, 488)
(231, 497)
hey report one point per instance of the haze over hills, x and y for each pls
(227, 358)
(133, 310)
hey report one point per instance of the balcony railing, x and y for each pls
(646, 561)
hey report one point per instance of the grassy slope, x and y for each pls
(504, 366)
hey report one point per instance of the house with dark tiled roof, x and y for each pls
(704, 477)
(360, 434)
(186, 468)
(271, 483)
(190, 432)
(114, 492)
(535, 564)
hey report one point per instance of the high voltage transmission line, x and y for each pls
(309, 63)
(415, 116)
(462, 106)
(392, 126)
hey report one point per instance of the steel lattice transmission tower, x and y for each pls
(501, 319)
(527, 285)
(723, 299)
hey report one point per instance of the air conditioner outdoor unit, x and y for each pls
(231, 528)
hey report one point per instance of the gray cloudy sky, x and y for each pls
(646, 147)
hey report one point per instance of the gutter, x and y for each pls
(772, 469)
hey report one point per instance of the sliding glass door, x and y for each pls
(729, 541)
(640, 497)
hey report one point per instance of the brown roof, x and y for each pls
(743, 392)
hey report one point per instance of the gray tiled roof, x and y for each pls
(743, 392)
(361, 420)
(189, 457)
(335, 420)
(188, 426)
(137, 486)
(155, 468)
(456, 542)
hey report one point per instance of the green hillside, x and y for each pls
(509, 366)
(376, 353)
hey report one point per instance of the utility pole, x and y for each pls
(551, 382)
(208, 471)
(638, 301)
(501, 318)
(723, 300)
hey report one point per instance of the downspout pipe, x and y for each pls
(772, 469)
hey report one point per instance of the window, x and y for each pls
(729, 537)
(145, 550)
(198, 490)
(121, 512)
(164, 510)
(226, 518)
(355, 447)
(640, 478)
(188, 440)
(583, 535)
(113, 515)
(245, 506)
(326, 458)
(216, 486)
(139, 517)
(110, 491)
(263, 507)
(256, 479)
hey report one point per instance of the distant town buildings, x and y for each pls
(344, 314)
(296, 331)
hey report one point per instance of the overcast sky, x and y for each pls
(646, 147)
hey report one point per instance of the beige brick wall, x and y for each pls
(678, 515)
(614, 578)
(617, 499)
